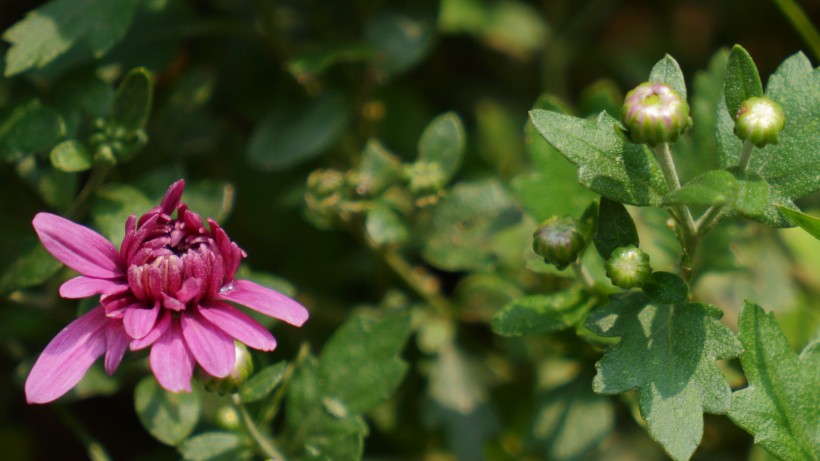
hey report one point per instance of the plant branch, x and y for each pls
(745, 155)
(271, 407)
(425, 285)
(582, 274)
(253, 430)
(97, 177)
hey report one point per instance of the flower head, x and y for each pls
(654, 113)
(759, 121)
(560, 241)
(168, 287)
(628, 267)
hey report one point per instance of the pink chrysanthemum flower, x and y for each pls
(166, 288)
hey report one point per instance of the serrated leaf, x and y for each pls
(215, 446)
(262, 383)
(289, 136)
(58, 26)
(71, 156)
(443, 143)
(781, 405)
(746, 193)
(29, 128)
(607, 163)
(133, 100)
(667, 71)
(742, 80)
(808, 223)
(169, 417)
(360, 364)
(668, 354)
(666, 288)
(385, 226)
(791, 167)
(541, 314)
(615, 228)
(479, 210)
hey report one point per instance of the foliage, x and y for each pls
(389, 162)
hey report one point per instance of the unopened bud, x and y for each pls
(759, 121)
(242, 370)
(654, 113)
(560, 241)
(628, 267)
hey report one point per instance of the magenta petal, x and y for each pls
(67, 357)
(239, 325)
(159, 330)
(266, 301)
(78, 247)
(139, 320)
(83, 287)
(213, 348)
(116, 341)
(172, 196)
(171, 361)
(189, 289)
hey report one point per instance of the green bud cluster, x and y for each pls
(560, 241)
(112, 143)
(759, 121)
(654, 113)
(628, 267)
(424, 177)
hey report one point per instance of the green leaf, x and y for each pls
(615, 228)
(499, 138)
(215, 446)
(808, 223)
(26, 264)
(666, 288)
(289, 136)
(360, 364)
(55, 187)
(400, 39)
(742, 192)
(607, 163)
(603, 95)
(71, 156)
(379, 169)
(311, 64)
(443, 143)
(742, 80)
(480, 210)
(385, 226)
(133, 99)
(113, 204)
(541, 314)
(58, 26)
(668, 71)
(668, 354)
(29, 128)
(571, 420)
(210, 199)
(169, 417)
(261, 384)
(780, 405)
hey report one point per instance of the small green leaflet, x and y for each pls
(53, 29)
(808, 223)
(668, 353)
(668, 71)
(781, 405)
(742, 80)
(615, 228)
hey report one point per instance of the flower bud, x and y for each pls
(654, 113)
(242, 370)
(425, 177)
(628, 267)
(759, 121)
(560, 241)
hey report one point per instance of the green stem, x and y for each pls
(96, 451)
(271, 407)
(97, 177)
(745, 156)
(423, 284)
(709, 218)
(262, 442)
(664, 156)
(582, 274)
(801, 23)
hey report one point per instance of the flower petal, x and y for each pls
(67, 357)
(239, 325)
(158, 331)
(78, 247)
(139, 320)
(172, 196)
(116, 341)
(264, 300)
(171, 361)
(83, 287)
(213, 348)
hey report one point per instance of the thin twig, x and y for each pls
(250, 426)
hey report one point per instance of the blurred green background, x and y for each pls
(253, 95)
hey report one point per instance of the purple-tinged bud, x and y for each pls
(628, 267)
(560, 241)
(759, 121)
(654, 113)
